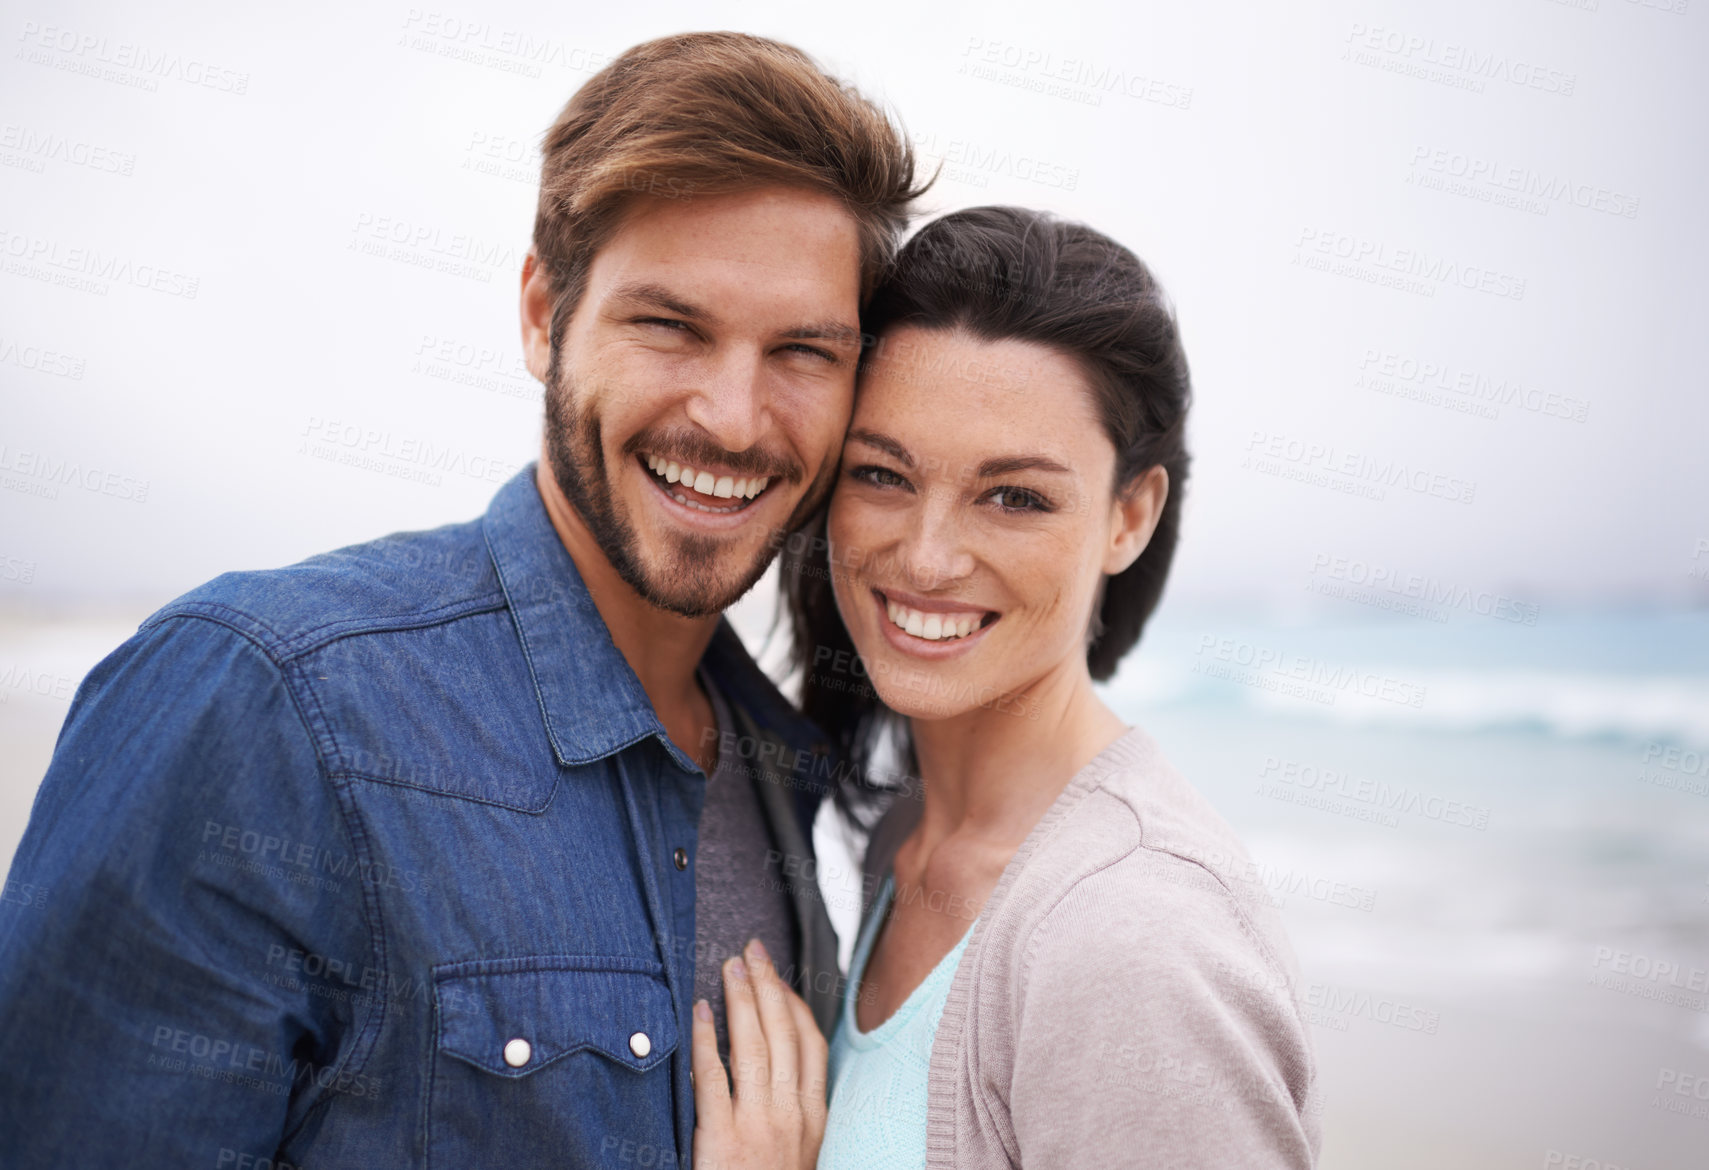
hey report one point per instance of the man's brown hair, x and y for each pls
(708, 113)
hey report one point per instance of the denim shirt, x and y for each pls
(383, 859)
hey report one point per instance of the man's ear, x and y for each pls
(536, 316)
(1133, 518)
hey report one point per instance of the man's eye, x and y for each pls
(814, 351)
(670, 323)
(876, 475)
(1016, 499)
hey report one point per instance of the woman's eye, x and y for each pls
(877, 476)
(1014, 499)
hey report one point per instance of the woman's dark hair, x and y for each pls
(1007, 273)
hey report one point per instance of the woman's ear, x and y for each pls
(1133, 518)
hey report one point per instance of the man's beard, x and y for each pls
(688, 581)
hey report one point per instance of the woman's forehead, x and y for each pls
(951, 375)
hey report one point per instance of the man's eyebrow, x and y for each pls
(824, 331)
(884, 443)
(660, 297)
(1009, 464)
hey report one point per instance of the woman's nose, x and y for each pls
(936, 553)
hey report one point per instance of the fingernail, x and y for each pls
(756, 948)
(738, 969)
(703, 1011)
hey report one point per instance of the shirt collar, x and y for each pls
(591, 700)
(592, 703)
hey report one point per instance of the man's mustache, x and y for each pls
(693, 448)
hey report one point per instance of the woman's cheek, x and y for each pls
(839, 520)
(855, 529)
(1043, 608)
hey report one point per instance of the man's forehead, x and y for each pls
(769, 205)
(763, 235)
(680, 274)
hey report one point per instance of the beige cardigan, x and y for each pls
(1128, 997)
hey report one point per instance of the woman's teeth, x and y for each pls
(724, 486)
(933, 627)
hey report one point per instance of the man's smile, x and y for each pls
(704, 489)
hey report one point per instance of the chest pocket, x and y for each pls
(561, 1054)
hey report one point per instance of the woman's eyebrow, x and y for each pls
(884, 443)
(989, 469)
(1009, 464)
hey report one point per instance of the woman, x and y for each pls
(1066, 961)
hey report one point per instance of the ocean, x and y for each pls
(1489, 840)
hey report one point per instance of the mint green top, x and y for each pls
(878, 1078)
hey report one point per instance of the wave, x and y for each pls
(1671, 709)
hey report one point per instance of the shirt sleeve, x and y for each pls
(1158, 1032)
(153, 1004)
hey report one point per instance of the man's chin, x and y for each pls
(691, 587)
(692, 604)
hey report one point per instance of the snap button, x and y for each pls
(517, 1052)
(680, 857)
(638, 1044)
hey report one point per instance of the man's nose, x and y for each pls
(730, 403)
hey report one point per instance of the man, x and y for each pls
(392, 857)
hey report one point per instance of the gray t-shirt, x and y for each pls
(739, 888)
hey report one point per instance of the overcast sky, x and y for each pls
(1440, 267)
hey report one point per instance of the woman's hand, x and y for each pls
(775, 1119)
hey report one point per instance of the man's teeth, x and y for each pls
(724, 486)
(933, 627)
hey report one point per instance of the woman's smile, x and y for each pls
(928, 628)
